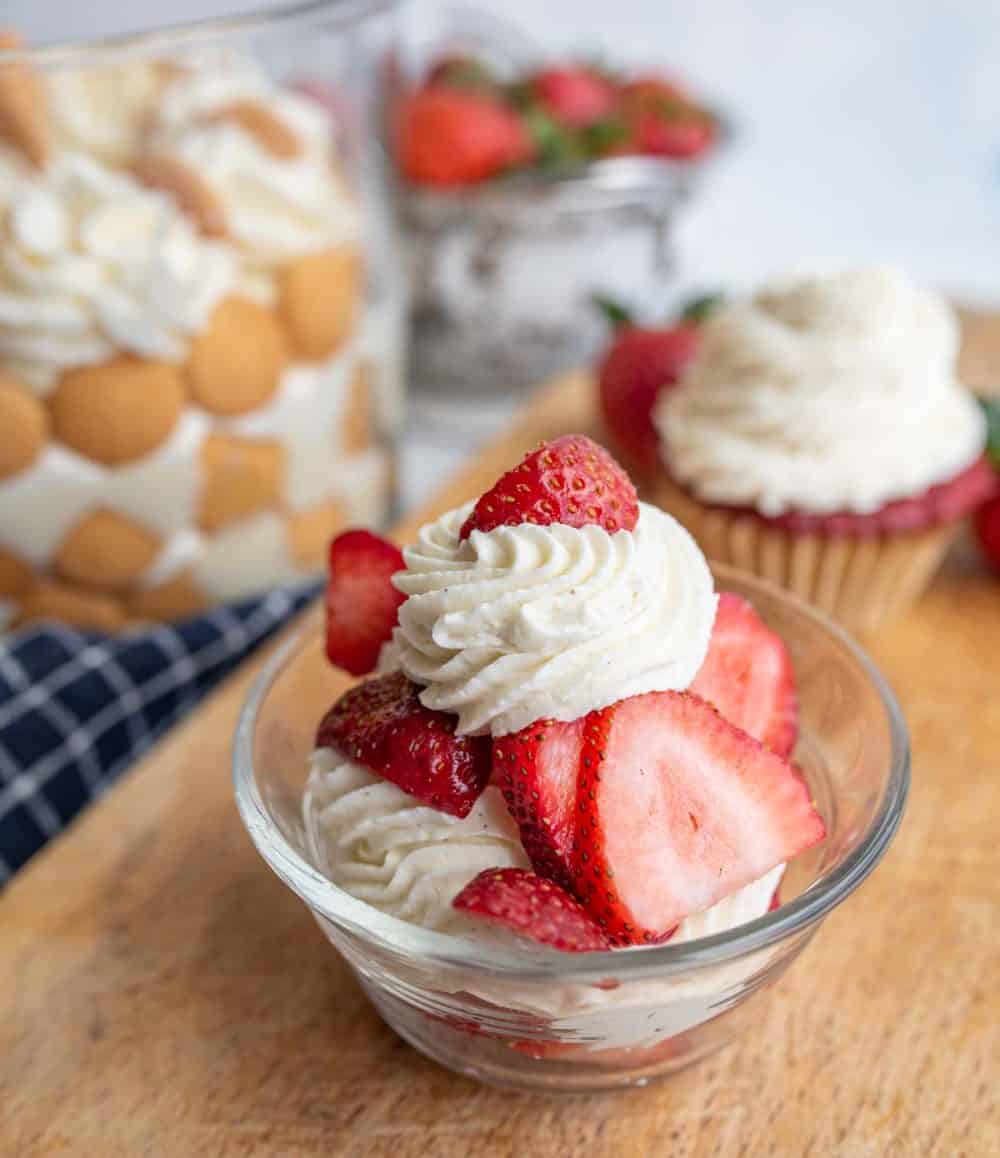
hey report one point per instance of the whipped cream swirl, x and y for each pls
(276, 207)
(92, 264)
(529, 622)
(822, 394)
(405, 858)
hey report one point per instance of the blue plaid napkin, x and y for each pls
(76, 708)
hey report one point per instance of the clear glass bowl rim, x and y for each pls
(189, 34)
(393, 936)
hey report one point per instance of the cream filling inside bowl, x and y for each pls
(384, 847)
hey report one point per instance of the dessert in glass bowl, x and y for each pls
(188, 394)
(814, 434)
(525, 187)
(551, 831)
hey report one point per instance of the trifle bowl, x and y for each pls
(200, 330)
(516, 1014)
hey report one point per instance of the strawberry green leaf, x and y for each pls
(698, 309)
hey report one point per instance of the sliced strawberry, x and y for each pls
(748, 676)
(536, 770)
(639, 363)
(571, 480)
(677, 808)
(451, 137)
(533, 907)
(574, 96)
(383, 725)
(361, 602)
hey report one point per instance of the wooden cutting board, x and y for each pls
(162, 993)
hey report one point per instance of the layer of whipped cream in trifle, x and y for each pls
(565, 736)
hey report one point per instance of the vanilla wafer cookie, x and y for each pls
(117, 411)
(235, 365)
(310, 532)
(177, 598)
(269, 131)
(23, 428)
(17, 576)
(106, 551)
(320, 298)
(239, 477)
(24, 114)
(84, 609)
(195, 197)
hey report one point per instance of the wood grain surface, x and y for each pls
(162, 994)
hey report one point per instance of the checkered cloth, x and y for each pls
(76, 708)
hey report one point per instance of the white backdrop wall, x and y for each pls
(867, 129)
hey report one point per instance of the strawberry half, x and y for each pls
(450, 137)
(748, 676)
(533, 907)
(639, 363)
(536, 769)
(677, 808)
(383, 725)
(361, 602)
(570, 480)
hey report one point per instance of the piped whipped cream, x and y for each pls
(822, 394)
(528, 622)
(92, 264)
(384, 847)
(405, 858)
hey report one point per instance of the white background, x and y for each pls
(866, 129)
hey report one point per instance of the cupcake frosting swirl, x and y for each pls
(822, 394)
(529, 622)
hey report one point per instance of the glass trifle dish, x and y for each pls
(198, 343)
(590, 799)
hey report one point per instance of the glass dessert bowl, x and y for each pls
(514, 1013)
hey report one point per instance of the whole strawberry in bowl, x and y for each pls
(590, 798)
(522, 190)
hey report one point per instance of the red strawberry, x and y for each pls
(680, 135)
(449, 137)
(987, 524)
(637, 365)
(571, 480)
(361, 602)
(537, 769)
(533, 907)
(651, 93)
(748, 676)
(574, 96)
(677, 808)
(383, 725)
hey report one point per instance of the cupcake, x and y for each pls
(820, 439)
